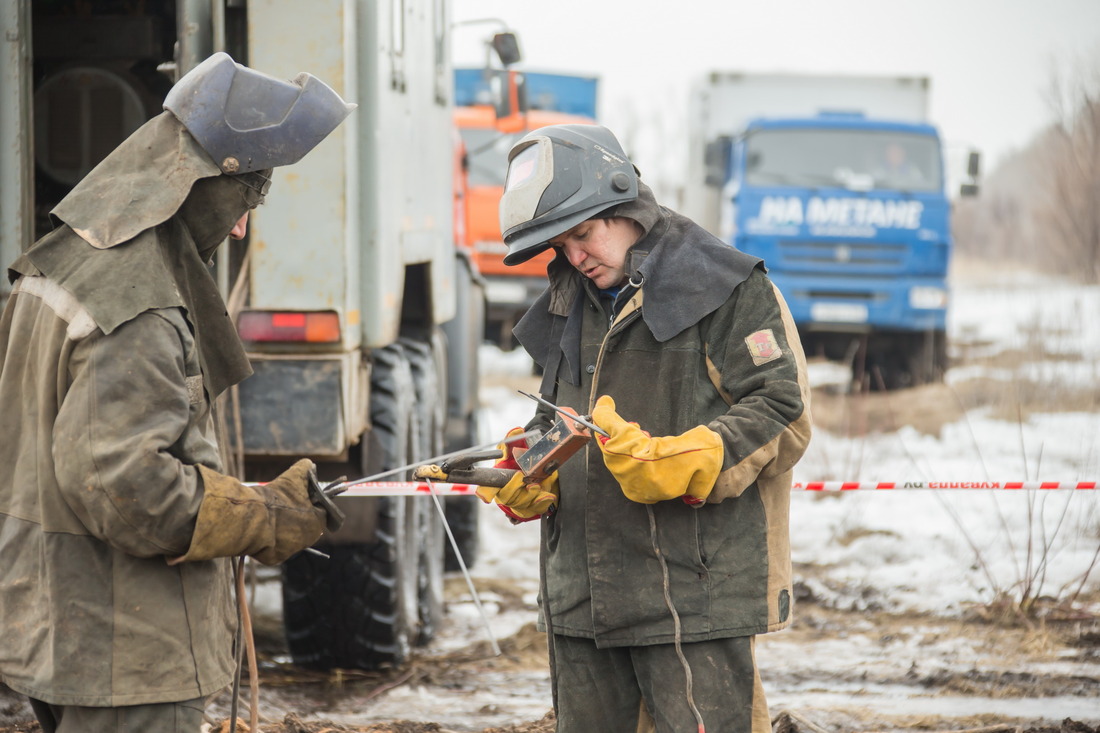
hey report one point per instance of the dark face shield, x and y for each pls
(559, 176)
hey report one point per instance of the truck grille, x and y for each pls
(847, 256)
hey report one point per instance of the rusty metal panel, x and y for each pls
(304, 244)
(293, 407)
(376, 196)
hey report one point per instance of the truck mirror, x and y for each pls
(507, 47)
(974, 164)
(510, 101)
(716, 161)
(968, 189)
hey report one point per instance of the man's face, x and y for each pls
(597, 248)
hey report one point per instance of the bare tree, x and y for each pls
(1041, 206)
(1068, 207)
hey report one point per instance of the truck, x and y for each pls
(361, 316)
(838, 183)
(489, 129)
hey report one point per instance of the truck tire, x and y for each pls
(904, 360)
(431, 408)
(928, 360)
(346, 611)
(888, 370)
(358, 609)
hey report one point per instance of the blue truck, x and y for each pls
(838, 183)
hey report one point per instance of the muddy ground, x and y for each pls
(1006, 662)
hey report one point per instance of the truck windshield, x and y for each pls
(852, 159)
(487, 155)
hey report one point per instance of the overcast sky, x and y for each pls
(990, 61)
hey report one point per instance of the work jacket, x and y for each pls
(700, 336)
(102, 433)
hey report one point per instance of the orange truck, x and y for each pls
(541, 99)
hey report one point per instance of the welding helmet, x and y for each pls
(559, 176)
(248, 121)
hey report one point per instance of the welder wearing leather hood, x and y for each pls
(667, 548)
(117, 527)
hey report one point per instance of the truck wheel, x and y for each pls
(928, 360)
(888, 371)
(358, 609)
(431, 408)
(347, 611)
(907, 360)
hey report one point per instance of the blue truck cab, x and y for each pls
(573, 94)
(852, 219)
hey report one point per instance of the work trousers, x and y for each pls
(643, 689)
(167, 717)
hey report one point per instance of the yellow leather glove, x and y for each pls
(651, 469)
(518, 499)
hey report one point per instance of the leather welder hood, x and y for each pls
(137, 232)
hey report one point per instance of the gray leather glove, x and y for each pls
(270, 522)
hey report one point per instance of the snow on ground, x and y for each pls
(939, 550)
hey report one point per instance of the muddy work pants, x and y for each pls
(643, 689)
(168, 717)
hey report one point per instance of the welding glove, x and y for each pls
(270, 522)
(651, 469)
(520, 500)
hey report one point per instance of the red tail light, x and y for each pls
(315, 328)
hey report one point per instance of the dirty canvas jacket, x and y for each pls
(102, 433)
(112, 345)
(706, 340)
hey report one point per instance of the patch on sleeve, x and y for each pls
(195, 389)
(763, 347)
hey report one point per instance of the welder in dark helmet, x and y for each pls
(665, 545)
(117, 527)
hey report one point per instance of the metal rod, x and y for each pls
(438, 459)
(565, 413)
(465, 571)
(408, 487)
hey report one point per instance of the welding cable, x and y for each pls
(244, 631)
(238, 654)
(675, 619)
(552, 658)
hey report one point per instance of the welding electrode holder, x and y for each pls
(541, 459)
(322, 497)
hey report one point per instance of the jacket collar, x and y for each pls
(685, 272)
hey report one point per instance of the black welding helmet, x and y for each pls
(559, 176)
(248, 121)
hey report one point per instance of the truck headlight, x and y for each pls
(927, 297)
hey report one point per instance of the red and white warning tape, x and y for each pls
(416, 488)
(408, 488)
(940, 485)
